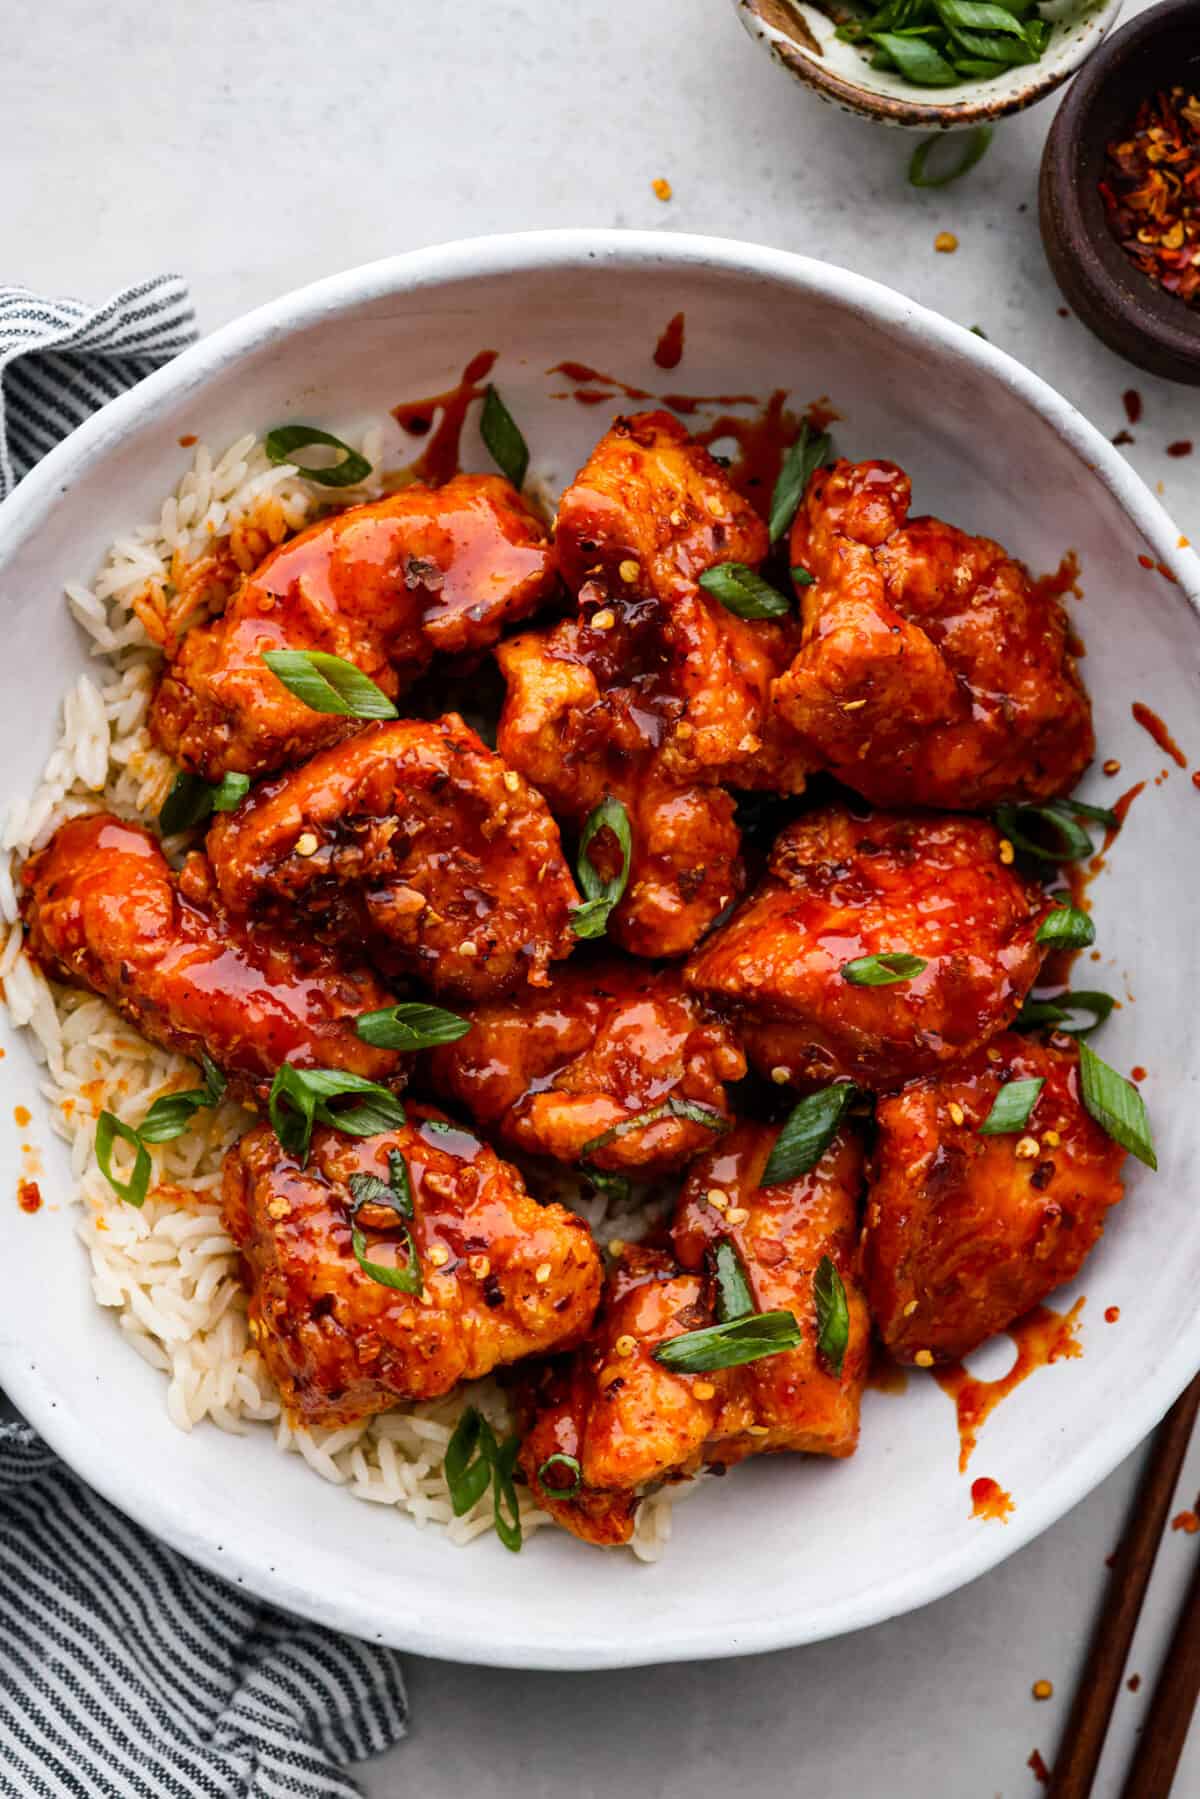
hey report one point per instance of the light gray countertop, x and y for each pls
(253, 145)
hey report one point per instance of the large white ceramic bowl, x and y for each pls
(788, 1550)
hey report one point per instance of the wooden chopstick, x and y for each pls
(1079, 1751)
(1172, 1706)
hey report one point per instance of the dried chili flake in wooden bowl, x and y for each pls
(1151, 191)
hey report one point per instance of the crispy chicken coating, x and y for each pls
(607, 1042)
(502, 1276)
(964, 1232)
(103, 909)
(840, 888)
(415, 839)
(933, 671)
(795, 1400)
(629, 1422)
(383, 585)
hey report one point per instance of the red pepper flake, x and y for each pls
(23, 1116)
(29, 1196)
(1112, 1314)
(1040, 1770)
(1186, 1521)
(1181, 447)
(1134, 1682)
(1124, 437)
(187, 440)
(1151, 191)
(1133, 404)
(1137, 1073)
(1064, 312)
(1146, 561)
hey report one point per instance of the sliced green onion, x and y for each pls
(285, 439)
(466, 1466)
(506, 1509)
(410, 1025)
(395, 1192)
(1067, 928)
(916, 60)
(734, 1298)
(615, 1187)
(329, 684)
(743, 592)
(671, 1107)
(505, 444)
(833, 1313)
(591, 919)
(559, 1460)
(971, 146)
(1116, 1105)
(299, 1099)
(1073, 841)
(405, 1278)
(801, 576)
(882, 971)
(977, 15)
(1011, 1107)
(729, 1345)
(1057, 1012)
(809, 1131)
(805, 456)
(108, 1128)
(190, 799)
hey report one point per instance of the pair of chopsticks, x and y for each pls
(1170, 1712)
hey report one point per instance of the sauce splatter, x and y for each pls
(1151, 722)
(1134, 1682)
(1112, 1314)
(23, 1116)
(1064, 580)
(29, 1196)
(1186, 1521)
(1133, 404)
(989, 1500)
(439, 460)
(1181, 447)
(585, 376)
(1120, 807)
(668, 351)
(1137, 1072)
(1041, 1337)
(187, 440)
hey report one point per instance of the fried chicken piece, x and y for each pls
(839, 888)
(632, 1424)
(605, 1043)
(629, 1422)
(583, 721)
(646, 516)
(933, 671)
(103, 909)
(795, 1400)
(502, 1276)
(415, 839)
(384, 586)
(964, 1233)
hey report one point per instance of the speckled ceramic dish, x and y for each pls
(803, 39)
(788, 1549)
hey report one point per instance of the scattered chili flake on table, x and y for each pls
(662, 188)
(1181, 447)
(1131, 399)
(1040, 1770)
(1151, 191)
(1134, 1682)
(945, 243)
(1043, 1689)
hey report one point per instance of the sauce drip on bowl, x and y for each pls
(1151, 722)
(1041, 1337)
(439, 461)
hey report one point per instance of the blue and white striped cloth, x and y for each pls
(125, 1672)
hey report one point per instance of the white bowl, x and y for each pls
(803, 39)
(787, 1550)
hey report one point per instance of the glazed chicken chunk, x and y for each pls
(965, 1232)
(569, 1070)
(501, 1276)
(841, 889)
(103, 909)
(384, 586)
(415, 840)
(629, 1422)
(933, 671)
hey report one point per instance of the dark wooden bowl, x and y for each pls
(1156, 330)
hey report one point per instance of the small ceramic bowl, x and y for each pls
(804, 39)
(1153, 329)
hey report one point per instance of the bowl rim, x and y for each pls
(1078, 221)
(513, 1643)
(893, 109)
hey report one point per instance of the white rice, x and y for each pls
(169, 1270)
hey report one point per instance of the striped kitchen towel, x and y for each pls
(125, 1672)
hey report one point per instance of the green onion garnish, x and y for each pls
(559, 1460)
(505, 445)
(299, 1099)
(1071, 843)
(191, 799)
(473, 1459)
(743, 592)
(882, 971)
(806, 455)
(806, 1136)
(671, 1107)
(971, 146)
(746, 1339)
(410, 1025)
(934, 43)
(1116, 1105)
(329, 684)
(916, 60)
(833, 1313)
(1011, 1107)
(801, 576)
(1066, 928)
(396, 1194)
(108, 1128)
(1057, 1012)
(734, 1298)
(591, 919)
(167, 1118)
(285, 439)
